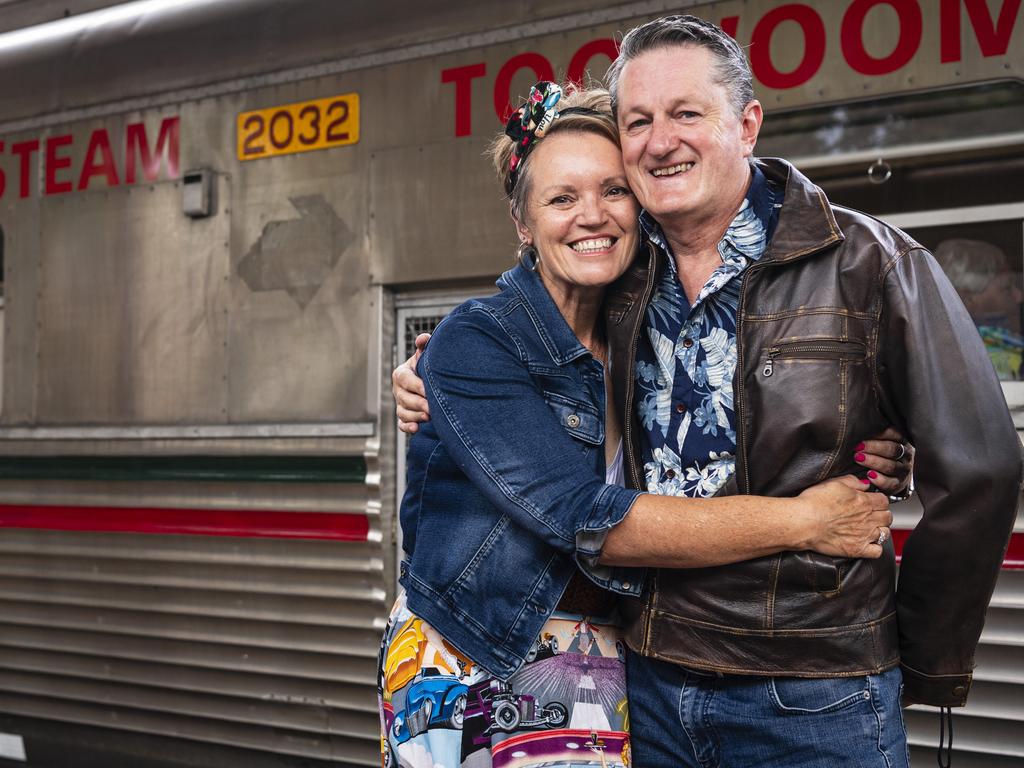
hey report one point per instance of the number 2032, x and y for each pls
(301, 127)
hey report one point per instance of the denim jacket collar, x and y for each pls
(555, 333)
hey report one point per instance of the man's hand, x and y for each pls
(889, 460)
(846, 520)
(407, 387)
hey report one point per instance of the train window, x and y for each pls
(928, 120)
(982, 252)
(927, 183)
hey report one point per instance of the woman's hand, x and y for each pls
(845, 519)
(407, 387)
(889, 460)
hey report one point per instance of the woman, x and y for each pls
(515, 486)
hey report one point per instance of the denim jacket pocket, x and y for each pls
(579, 419)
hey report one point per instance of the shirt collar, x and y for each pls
(558, 338)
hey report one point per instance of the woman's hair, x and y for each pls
(597, 119)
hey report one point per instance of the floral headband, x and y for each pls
(528, 124)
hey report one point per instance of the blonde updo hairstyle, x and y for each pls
(599, 122)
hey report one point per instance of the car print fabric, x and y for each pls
(565, 707)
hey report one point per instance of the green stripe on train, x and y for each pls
(276, 469)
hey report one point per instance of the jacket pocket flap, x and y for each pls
(579, 419)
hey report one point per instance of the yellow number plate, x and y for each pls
(290, 128)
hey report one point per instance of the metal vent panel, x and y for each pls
(264, 643)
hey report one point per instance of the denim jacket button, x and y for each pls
(572, 421)
(626, 585)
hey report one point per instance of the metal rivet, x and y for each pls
(626, 585)
(572, 420)
(867, 695)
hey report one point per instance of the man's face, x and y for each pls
(684, 147)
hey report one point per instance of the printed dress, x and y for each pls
(566, 706)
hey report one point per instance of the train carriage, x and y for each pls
(222, 222)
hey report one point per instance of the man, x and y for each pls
(762, 331)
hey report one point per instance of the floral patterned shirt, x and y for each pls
(686, 359)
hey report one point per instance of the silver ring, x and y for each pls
(882, 536)
(903, 452)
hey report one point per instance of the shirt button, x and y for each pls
(680, 408)
(572, 421)
(670, 473)
(687, 342)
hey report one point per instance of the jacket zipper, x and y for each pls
(634, 466)
(741, 432)
(810, 349)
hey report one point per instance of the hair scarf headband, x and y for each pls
(528, 124)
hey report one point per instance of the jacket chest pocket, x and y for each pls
(581, 420)
(575, 397)
(805, 396)
(813, 349)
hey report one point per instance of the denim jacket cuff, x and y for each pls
(610, 509)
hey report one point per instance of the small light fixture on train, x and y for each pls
(197, 192)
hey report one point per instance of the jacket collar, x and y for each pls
(555, 333)
(806, 223)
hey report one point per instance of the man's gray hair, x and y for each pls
(733, 68)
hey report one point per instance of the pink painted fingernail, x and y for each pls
(859, 457)
(872, 474)
(860, 446)
(865, 481)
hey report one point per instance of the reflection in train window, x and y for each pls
(985, 262)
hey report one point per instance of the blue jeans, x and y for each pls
(681, 717)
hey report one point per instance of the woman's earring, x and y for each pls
(528, 257)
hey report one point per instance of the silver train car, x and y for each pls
(222, 222)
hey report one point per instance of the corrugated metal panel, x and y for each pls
(261, 643)
(989, 731)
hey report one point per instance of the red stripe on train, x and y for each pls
(193, 522)
(1013, 561)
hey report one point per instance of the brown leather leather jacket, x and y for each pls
(845, 326)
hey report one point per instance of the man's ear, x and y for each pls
(750, 125)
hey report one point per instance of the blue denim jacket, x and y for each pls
(506, 494)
